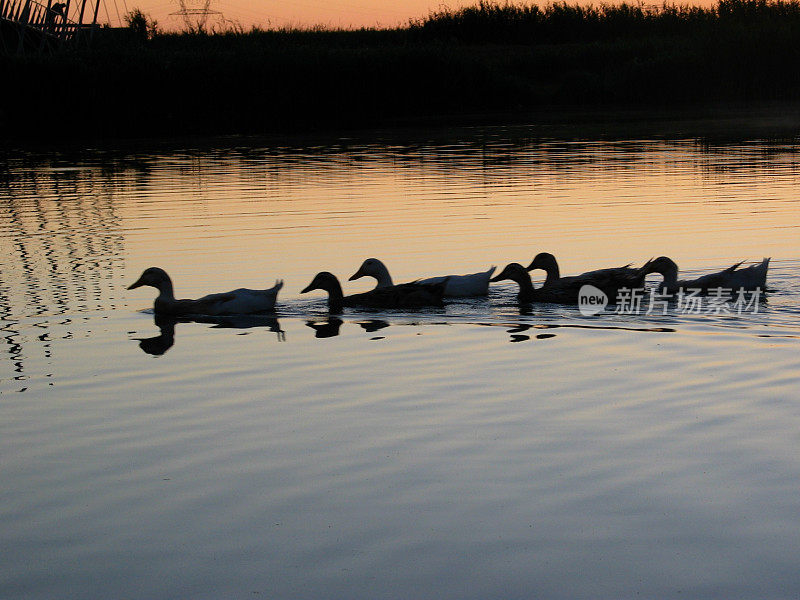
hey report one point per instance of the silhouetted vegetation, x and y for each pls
(141, 25)
(511, 59)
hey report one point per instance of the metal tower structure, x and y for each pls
(195, 13)
(43, 25)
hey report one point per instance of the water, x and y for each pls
(475, 451)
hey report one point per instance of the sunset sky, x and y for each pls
(264, 13)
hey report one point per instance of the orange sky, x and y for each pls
(337, 13)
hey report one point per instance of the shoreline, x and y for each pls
(559, 68)
(715, 123)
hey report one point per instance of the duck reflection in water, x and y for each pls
(244, 322)
(517, 335)
(325, 329)
(372, 325)
(159, 344)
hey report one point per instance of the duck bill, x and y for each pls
(308, 288)
(506, 273)
(136, 284)
(357, 275)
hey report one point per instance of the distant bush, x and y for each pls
(141, 25)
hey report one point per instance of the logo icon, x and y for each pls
(591, 300)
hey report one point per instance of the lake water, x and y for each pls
(481, 450)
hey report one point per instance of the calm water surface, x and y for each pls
(482, 450)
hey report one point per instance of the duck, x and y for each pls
(612, 279)
(733, 278)
(405, 295)
(561, 293)
(472, 284)
(236, 302)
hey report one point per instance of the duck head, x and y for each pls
(328, 282)
(662, 265)
(154, 277)
(515, 272)
(544, 261)
(547, 262)
(323, 281)
(372, 267)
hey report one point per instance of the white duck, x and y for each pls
(473, 284)
(733, 278)
(236, 302)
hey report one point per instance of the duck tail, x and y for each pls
(733, 267)
(762, 272)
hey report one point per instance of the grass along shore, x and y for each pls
(489, 58)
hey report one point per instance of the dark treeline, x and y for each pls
(562, 22)
(502, 59)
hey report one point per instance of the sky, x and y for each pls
(271, 13)
(337, 13)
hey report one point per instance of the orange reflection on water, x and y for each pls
(216, 220)
(429, 211)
